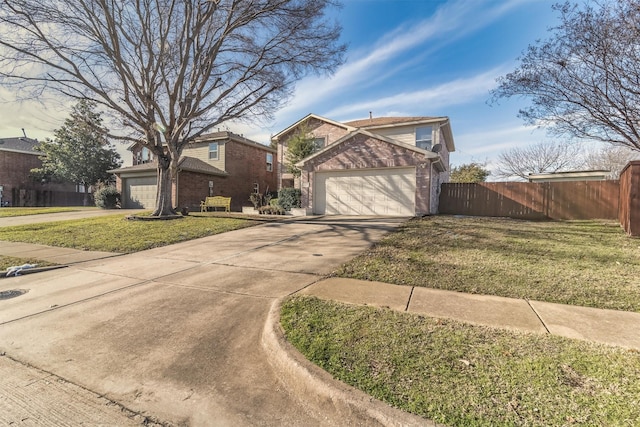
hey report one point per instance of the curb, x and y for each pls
(330, 400)
(34, 270)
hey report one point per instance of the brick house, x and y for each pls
(216, 164)
(375, 166)
(17, 157)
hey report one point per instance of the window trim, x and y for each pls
(269, 163)
(216, 151)
(430, 140)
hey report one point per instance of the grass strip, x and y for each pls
(9, 212)
(8, 261)
(587, 263)
(464, 375)
(115, 233)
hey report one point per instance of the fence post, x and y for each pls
(629, 207)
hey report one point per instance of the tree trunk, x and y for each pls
(164, 205)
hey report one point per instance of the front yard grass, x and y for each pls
(587, 263)
(114, 233)
(7, 212)
(8, 261)
(463, 375)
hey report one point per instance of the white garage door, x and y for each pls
(366, 192)
(140, 192)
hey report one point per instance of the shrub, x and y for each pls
(289, 198)
(274, 202)
(107, 197)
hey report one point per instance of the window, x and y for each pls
(145, 155)
(269, 162)
(424, 137)
(213, 151)
(319, 143)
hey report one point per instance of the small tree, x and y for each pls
(469, 172)
(538, 158)
(300, 146)
(80, 152)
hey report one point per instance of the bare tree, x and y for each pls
(519, 162)
(584, 80)
(609, 158)
(168, 70)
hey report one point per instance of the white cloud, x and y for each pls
(451, 21)
(455, 92)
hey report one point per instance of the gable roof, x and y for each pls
(392, 121)
(221, 136)
(312, 116)
(428, 154)
(20, 145)
(190, 164)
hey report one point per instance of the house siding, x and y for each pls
(364, 152)
(200, 150)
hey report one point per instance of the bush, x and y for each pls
(289, 198)
(274, 202)
(107, 197)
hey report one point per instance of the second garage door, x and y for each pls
(140, 192)
(365, 192)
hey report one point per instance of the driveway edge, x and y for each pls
(316, 389)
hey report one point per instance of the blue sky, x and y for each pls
(405, 58)
(429, 58)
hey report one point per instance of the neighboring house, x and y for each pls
(17, 157)
(216, 164)
(376, 166)
(588, 175)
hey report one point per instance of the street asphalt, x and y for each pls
(188, 334)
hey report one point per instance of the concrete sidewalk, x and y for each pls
(613, 327)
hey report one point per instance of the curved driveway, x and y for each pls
(174, 333)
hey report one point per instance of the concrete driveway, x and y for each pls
(174, 333)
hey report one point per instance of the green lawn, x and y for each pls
(114, 233)
(464, 375)
(588, 263)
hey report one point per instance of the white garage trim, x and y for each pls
(389, 191)
(140, 192)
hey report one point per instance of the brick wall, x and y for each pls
(194, 187)
(21, 190)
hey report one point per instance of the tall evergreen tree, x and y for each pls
(80, 152)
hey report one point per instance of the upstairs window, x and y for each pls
(424, 137)
(145, 156)
(319, 143)
(269, 162)
(213, 151)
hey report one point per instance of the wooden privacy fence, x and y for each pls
(629, 214)
(529, 200)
